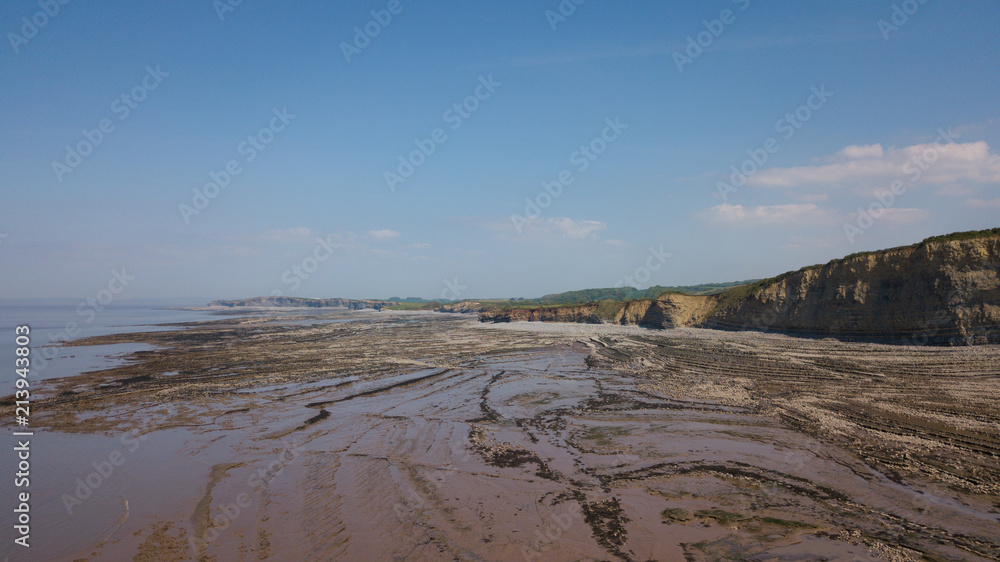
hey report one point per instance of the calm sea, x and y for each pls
(51, 323)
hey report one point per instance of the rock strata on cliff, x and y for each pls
(939, 292)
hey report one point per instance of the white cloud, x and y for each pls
(383, 234)
(805, 213)
(892, 215)
(859, 151)
(555, 227)
(417, 246)
(984, 203)
(570, 228)
(936, 164)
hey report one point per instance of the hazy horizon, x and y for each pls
(545, 147)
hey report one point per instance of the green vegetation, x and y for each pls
(425, 305)
(408, 300)
(622, 294)
(704, 288)
(591, 295)
(608, 308)
(967, 235)
(676, 514)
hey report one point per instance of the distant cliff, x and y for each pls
(944, 290)
(581, 314)
(667, 311)
(463, 307)
(301, 302)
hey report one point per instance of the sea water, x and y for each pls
(51, 324)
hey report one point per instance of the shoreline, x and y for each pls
(575, 419)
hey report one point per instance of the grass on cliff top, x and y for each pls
(967, 235)
(623, 294)
(608, 308)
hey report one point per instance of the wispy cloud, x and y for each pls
(763, 215)
(894, 216)
(984, 203)
(936, 164)
(385, 234)
(550, 228)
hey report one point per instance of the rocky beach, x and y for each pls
(335, 434)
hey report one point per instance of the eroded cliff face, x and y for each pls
(667, 311)
(938, 293)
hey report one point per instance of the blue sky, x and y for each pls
(312, 213)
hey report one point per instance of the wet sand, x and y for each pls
(424, 436)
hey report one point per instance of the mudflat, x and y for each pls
(427, 436)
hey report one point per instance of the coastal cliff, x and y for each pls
(940, 292)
